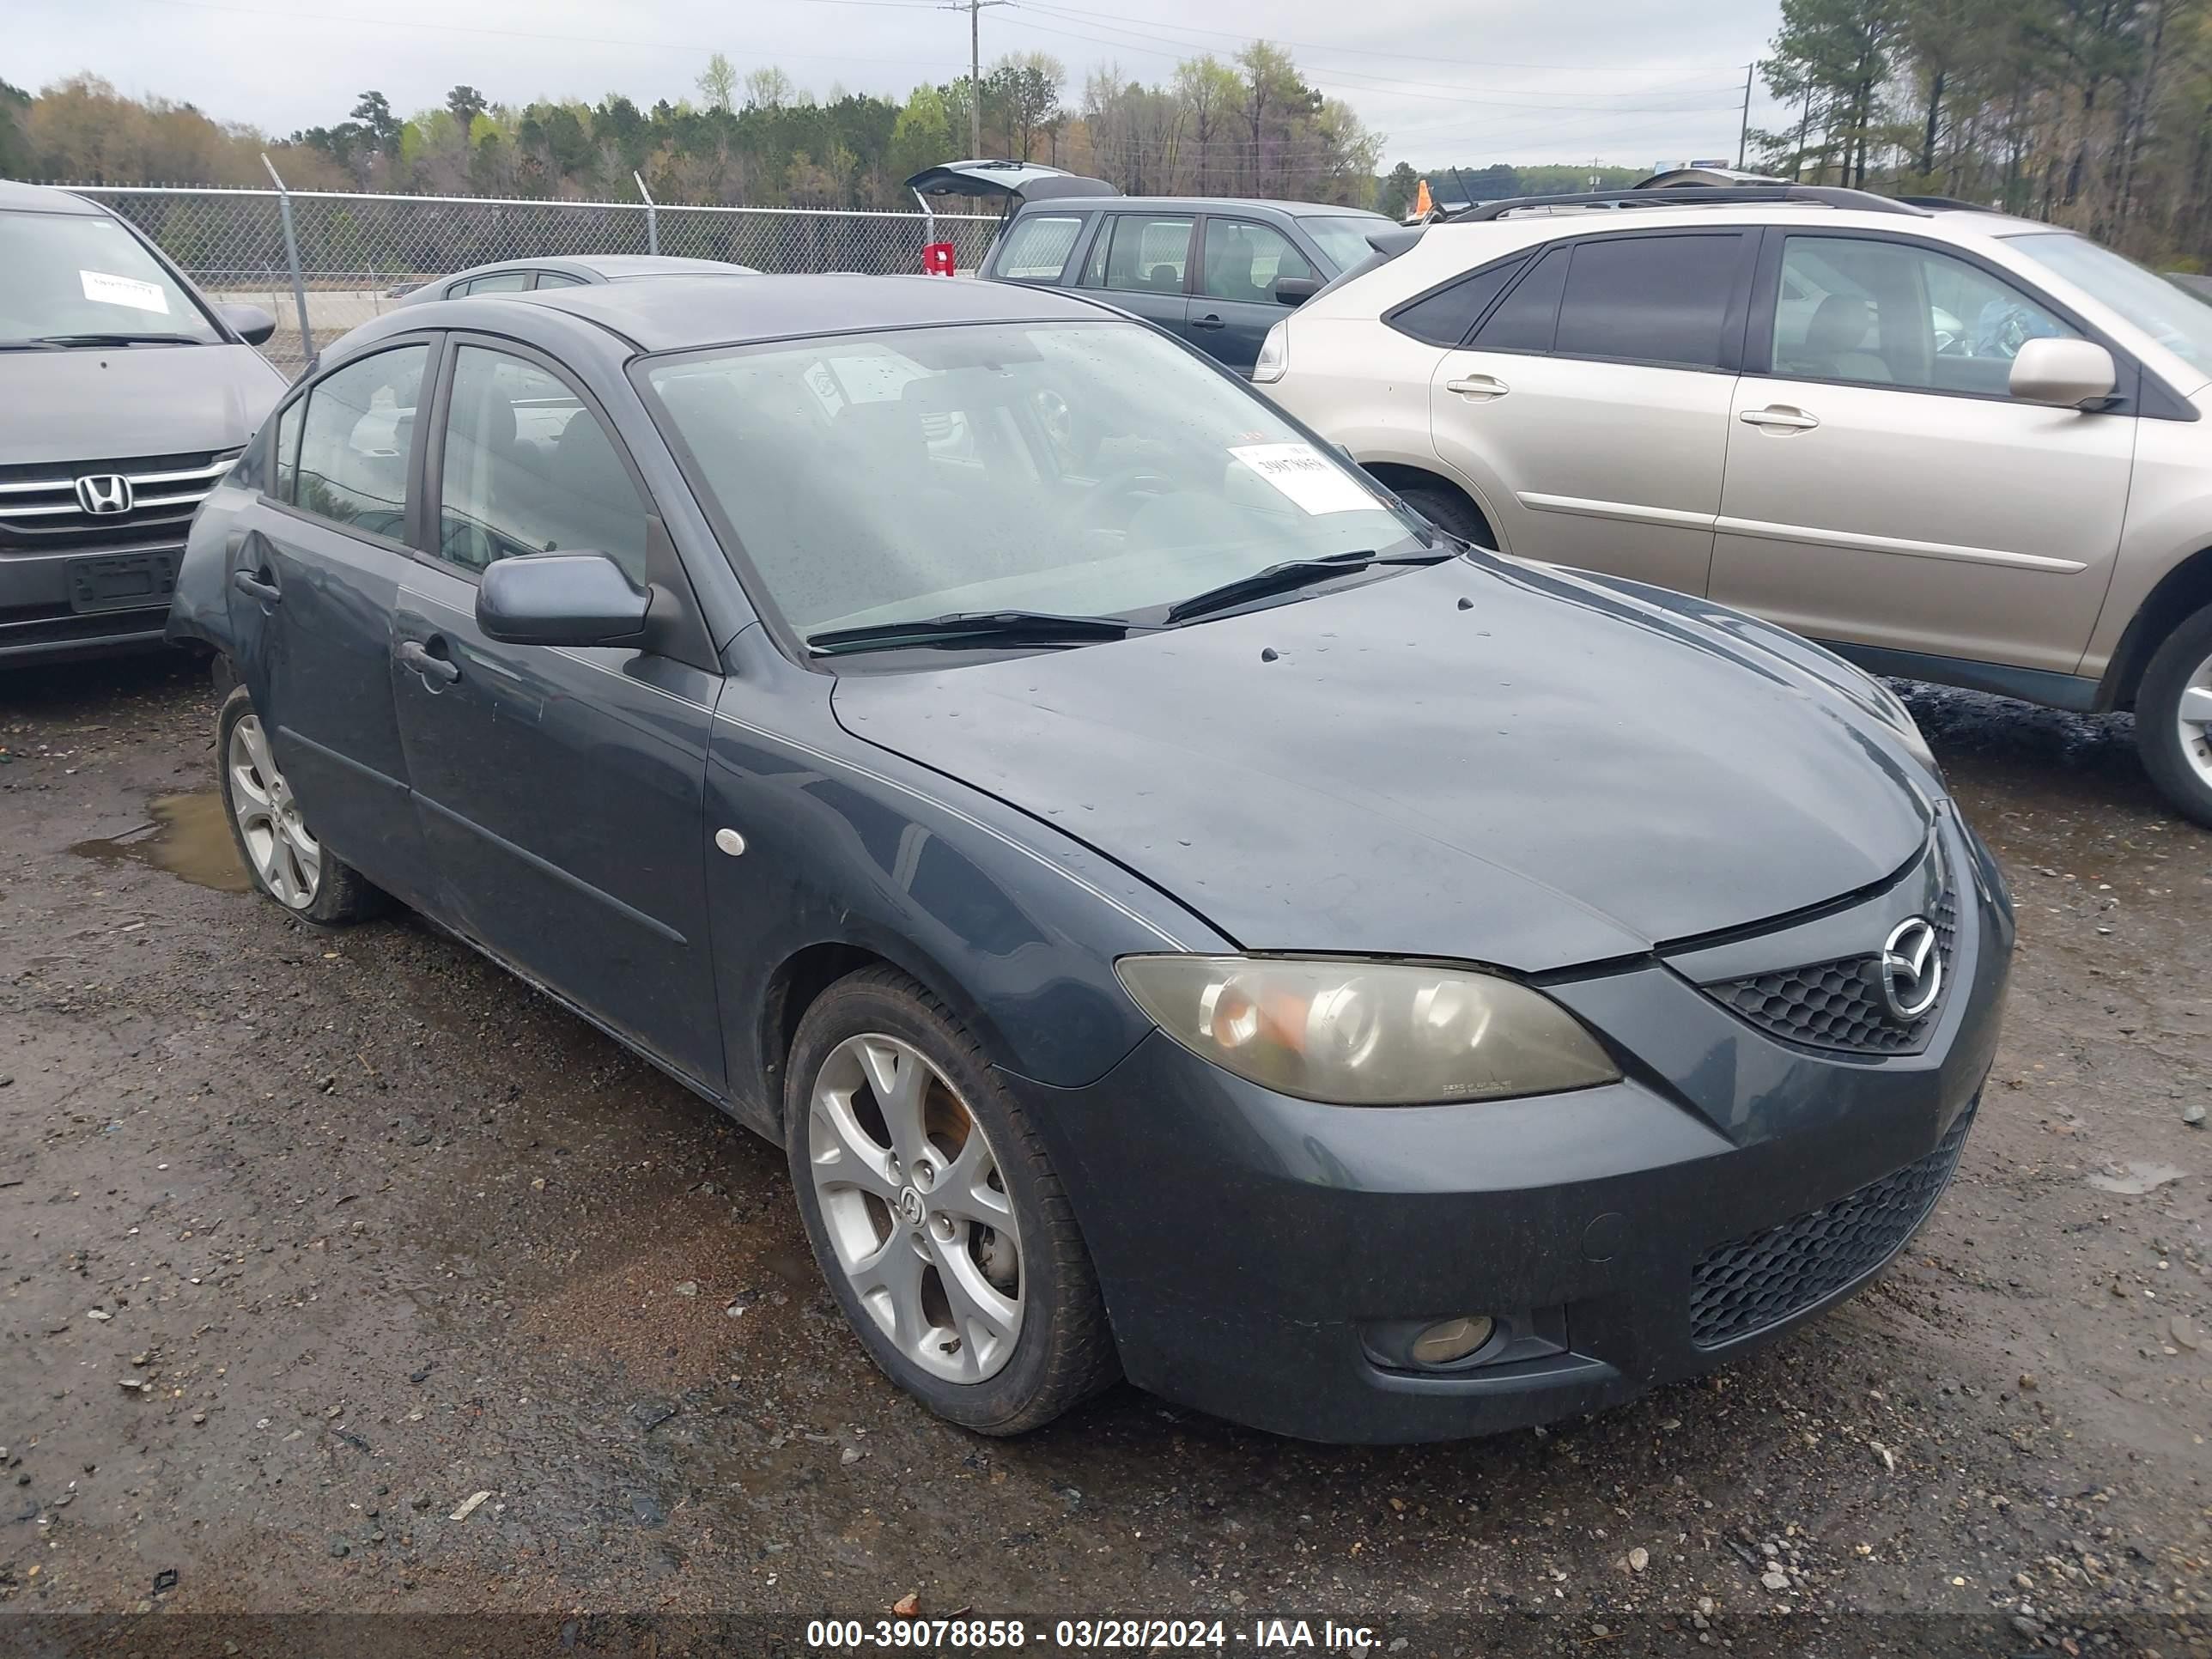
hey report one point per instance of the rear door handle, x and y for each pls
(1481, 387)
(1780, 417)
(1208, 321)
(431, 664)
(253, 585)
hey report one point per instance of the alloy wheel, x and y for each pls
(288, 860)
(2195, 717)
(915, 1207)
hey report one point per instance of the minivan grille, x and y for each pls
(1739, 1288)
(1838, 1004)
(42, 510)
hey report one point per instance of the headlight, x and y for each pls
(1274, 356)
(1367, 1033)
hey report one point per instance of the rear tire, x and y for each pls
(282, 855)
(2173, 717)
(978, 1300)
(1452, 514)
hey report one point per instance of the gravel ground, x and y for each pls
(343, 1274)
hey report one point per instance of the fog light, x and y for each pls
(1451, 1340)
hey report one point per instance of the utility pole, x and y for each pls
(1743, 134)
(973, 8)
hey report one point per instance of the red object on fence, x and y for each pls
(936, 260)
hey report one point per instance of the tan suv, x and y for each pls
(1953, 445)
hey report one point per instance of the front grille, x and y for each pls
(1838, 1005)
(41, 511)
(1746, 1286)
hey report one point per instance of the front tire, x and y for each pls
(287, 862)
(2174, 717)
(934, 1213)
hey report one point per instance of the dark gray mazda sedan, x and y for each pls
(1183, 916)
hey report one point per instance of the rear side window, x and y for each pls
(1446, 317)
(1526, 319)
(1037, 248)
(354, 441)
(1650, 299)
(555, 279)
(1147, 253)
(504, 282)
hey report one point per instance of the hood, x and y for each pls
(1551, 775)
(69, 407)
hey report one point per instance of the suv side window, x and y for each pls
(1881, 313)
(1037, 248)
(1148, 252)
(527, 468)
(1650, 299)
(1528, 317)
(354, 439)
(1445, 317)
(1243, 260)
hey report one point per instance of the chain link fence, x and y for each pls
(358, 254)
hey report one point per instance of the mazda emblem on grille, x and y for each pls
(1910, 971)
(104, 495)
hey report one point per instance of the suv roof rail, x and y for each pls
(1949, 203)
(1695, 196)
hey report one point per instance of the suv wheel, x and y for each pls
(934, 1213)
(2174, 717)
(285, 860)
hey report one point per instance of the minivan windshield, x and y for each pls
(1080, 468)
(2180, 323)
(69, 276)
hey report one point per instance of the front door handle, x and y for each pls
(1782, 418)
(1208, 321)
(432, 666)
(1480, 387)
(256, 586)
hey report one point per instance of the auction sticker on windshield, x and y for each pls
(105, 290)
(1301, 473)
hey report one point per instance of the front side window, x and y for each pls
(1650, 299)
(529, 469)
(1883, 312)
(1147, 254)
(1244, 260)
(1037, 248)
(286, 470)
(64, 275)
(355, 440)
(557, 279)
(1092, 468)
(2174, 318)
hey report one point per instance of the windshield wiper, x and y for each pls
(984, 627)
(118, 338)
(1293, 574)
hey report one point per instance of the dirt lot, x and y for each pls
(306, 1240)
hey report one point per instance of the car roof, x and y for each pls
(41, 198)
(1210, 203)
(683, 311)
(609, 267)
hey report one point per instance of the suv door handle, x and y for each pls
(1482, 387)
(254, 585)
(1780, 417)
(433, 665)
(1208, 321)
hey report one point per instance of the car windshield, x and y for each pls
(2177, 321)
(1087, 468)
(1344, 241)
(82, 274)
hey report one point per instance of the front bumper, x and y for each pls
(38, 623)
(1249, 1245)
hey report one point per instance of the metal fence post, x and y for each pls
(652, 215)
(291, 255)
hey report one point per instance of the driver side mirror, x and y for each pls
(1295, 291)
(560, 598)
(250, 323)
(2066, 374)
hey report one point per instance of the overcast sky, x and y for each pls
(1448, 80)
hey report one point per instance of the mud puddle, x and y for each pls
(188, 837)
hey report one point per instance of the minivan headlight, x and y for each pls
(1274, 354)
(1367, 1033)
